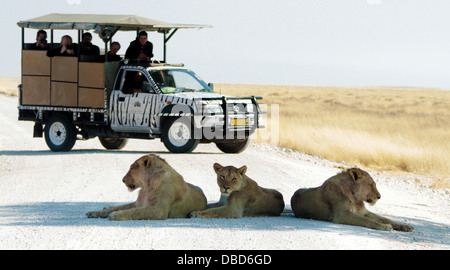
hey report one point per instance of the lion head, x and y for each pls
(363, 186)
(141, 171)
(229, 178)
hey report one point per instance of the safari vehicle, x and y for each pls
(80, 97)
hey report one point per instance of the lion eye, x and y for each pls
(233, 180)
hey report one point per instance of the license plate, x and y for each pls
(239, 122)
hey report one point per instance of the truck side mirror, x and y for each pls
(211, 85)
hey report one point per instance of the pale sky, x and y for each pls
(290, 42)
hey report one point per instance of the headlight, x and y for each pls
(212, 109)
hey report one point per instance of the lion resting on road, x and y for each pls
(341, 200)
(241, 196)
(164, 193)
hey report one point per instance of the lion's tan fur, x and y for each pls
(241, 196)
(341, 199)
(163, 193)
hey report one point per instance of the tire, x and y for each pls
(233, 147)
(177, 135)
(113, 143)
(60, 133)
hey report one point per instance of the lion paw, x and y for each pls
(118, 216)
(93, 214)
(386, 227)
(97, 214)
(406, 228)
(115, 216)
(199, 214)
(194, 214)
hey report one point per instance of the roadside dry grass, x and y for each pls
(382, 128)
(8, 85)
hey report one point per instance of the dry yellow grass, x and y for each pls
(8, 85)
(382, 128)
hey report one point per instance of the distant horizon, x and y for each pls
(293, 85)
(358, 43)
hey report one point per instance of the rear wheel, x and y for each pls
(178, 136)
(60, 133)
(113, 143)
(233, 147)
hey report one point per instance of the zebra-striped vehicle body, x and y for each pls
(171, 93)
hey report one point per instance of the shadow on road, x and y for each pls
(71, 214)
(92, 151)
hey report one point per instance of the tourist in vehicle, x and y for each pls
(67, 48)
(41, 41)
(133, 82)
(87, 48)
(140, 48)
(112, 55)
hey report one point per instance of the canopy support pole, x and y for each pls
(51, 38)
(166, 39)
(23, 38)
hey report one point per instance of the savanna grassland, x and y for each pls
(383, 128)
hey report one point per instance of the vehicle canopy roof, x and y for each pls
(106, 26)
(99, 22)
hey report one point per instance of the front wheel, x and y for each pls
(234, 147)
(60, 133)
(178, 136)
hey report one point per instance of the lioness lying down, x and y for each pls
(341, 200)
(164, 193)
(241, 196)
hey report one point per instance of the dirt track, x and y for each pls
(45, 197)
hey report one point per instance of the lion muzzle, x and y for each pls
(129, 183)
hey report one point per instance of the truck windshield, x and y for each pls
(178, 80)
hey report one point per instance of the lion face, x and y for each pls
(229, 178)
(133, 178)
(365, 188)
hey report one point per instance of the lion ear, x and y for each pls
(355, 173)
(217, 167)
(242, 170)
(145, 161)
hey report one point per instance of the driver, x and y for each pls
(134, 85)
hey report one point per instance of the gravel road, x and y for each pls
(46, 195)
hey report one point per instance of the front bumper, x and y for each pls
(234, 114)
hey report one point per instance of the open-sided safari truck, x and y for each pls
(79, 97)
